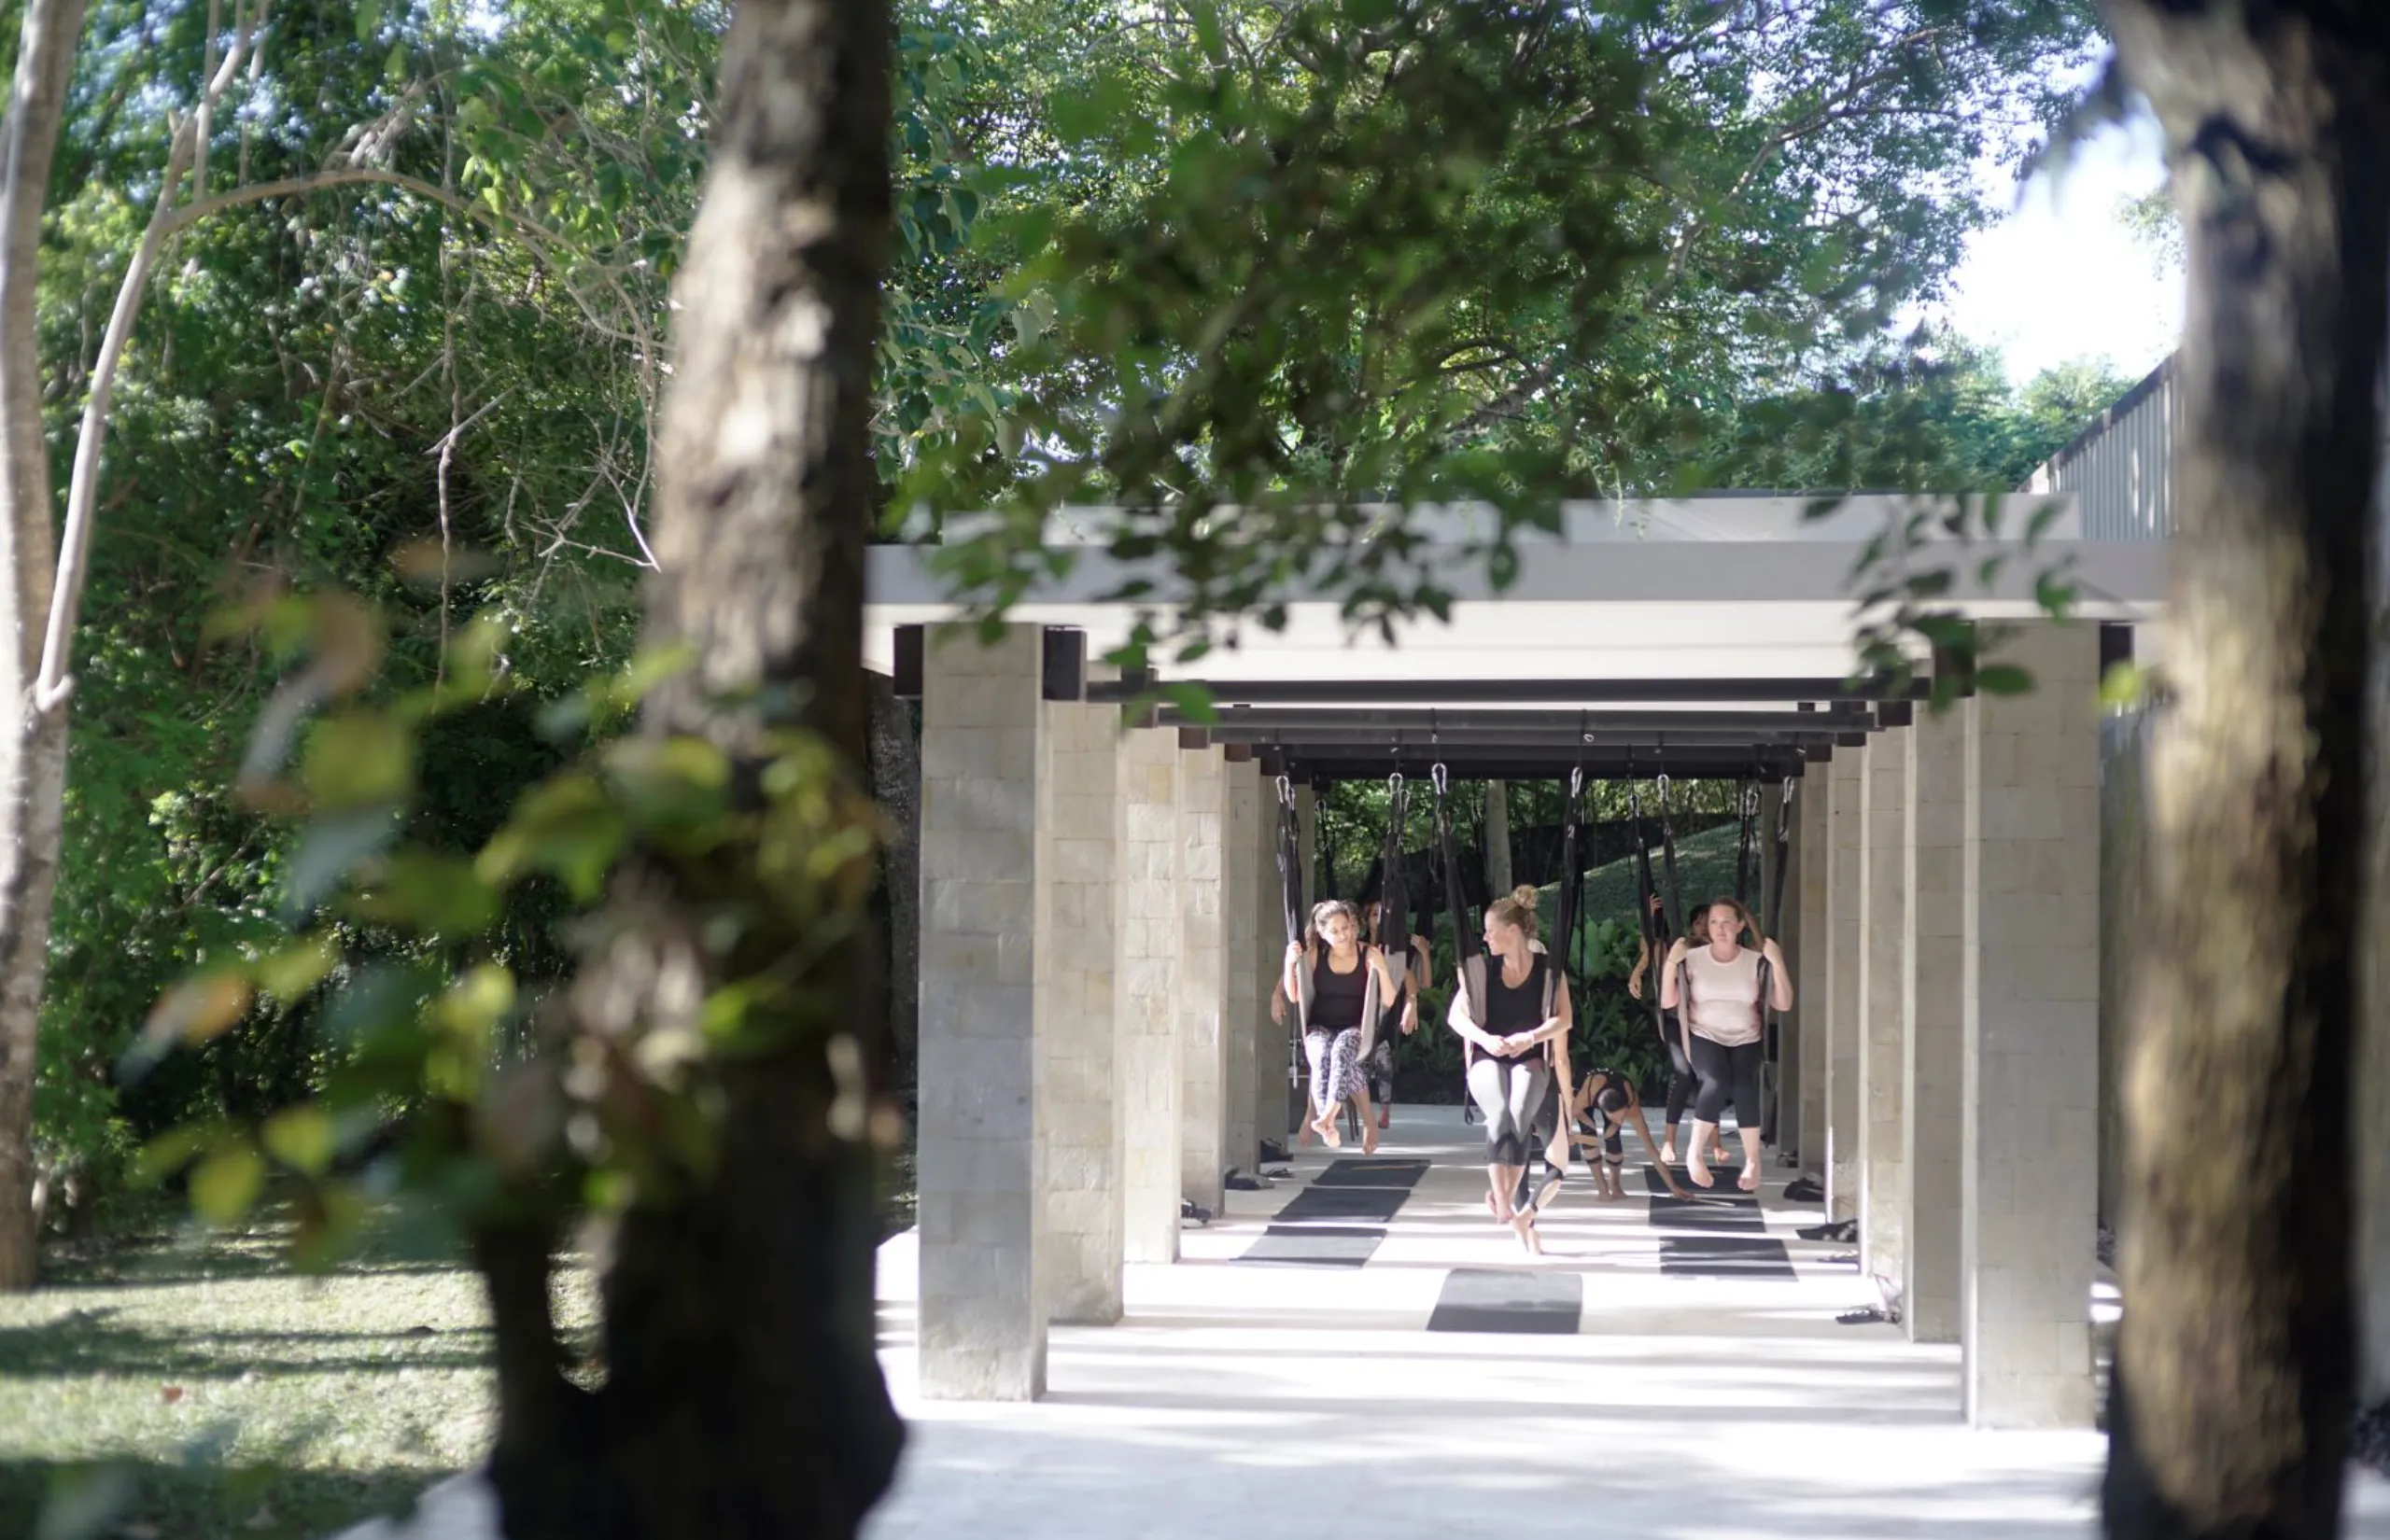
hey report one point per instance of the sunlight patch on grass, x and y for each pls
(241, 1399)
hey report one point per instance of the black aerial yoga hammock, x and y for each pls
(1466, 943)
(1394, 893)
(1564, 933)
(1747, 843)
(1290, 895)
(1773, 920)
(1658, 935)
(1672, 896)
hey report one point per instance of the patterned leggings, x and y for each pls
(1335, 1067)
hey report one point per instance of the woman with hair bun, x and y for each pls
(1717, 985)
(1510, 1007)
(1341, 984)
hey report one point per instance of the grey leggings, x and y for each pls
(1509, 1091)
(1335, 1067)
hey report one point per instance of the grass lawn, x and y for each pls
(191, 1391)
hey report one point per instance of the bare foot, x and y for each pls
(1698, 1169)
(1749, 1180)
(1370, 1138)
(1303, 1137)
(1668, 1153)
(1326, 1128)
(1385, 1116)
(1524, 1223)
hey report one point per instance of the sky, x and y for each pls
(2060, 278)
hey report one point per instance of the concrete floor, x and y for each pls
(1237, 1394)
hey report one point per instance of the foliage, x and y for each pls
(449, 1061)
(1278, 275)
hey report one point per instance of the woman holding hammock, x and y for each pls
(1511, 1009)
(1721, 991)
(1342, 984)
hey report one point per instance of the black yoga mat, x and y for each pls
(1719, 1233)
(1754, 1256)
(1485, 1299)
(1372, 1173)
(1338, 1220)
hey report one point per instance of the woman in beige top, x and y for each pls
(1714, 984)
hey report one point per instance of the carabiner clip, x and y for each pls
(1439, 777)
(1286, 791)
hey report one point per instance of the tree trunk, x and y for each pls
(1497, 840)
(743, 1399)
(2234, 1361)
(897, 786)
(33, 741)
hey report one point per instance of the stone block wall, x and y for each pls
(1248, 992)
(1078, 922)
(983, 1181)
(1933, 1113)
(2032, 1038)
(1203, 970)
(1845, 961)
(1813, 970)
(1146, 992)
(1883, 999)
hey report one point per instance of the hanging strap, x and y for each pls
(1657, 934)
(1672, 897)
(1291, 903)
(1774, 912)
(1564, 935)
(1747, 843)
(1466, 941)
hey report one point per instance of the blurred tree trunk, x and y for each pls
(33, 737)
(743, 1398)
(2235, 1360)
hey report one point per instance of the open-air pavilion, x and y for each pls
(1358, 1342)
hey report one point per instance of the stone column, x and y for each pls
(1248, 992)
(1784, 929)
(1883, 990)
(1077, 920)
(2032, 1038)
(983, 1316)
(1932, 1112)
(1270, 1099)
(1202, 974)
(1812, 967)
(1846, 958)
(1146, 992)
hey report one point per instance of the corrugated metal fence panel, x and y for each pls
(2121, 467)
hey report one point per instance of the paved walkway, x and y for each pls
(1697, 1388)
(1703, 1393)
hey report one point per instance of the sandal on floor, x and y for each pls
(1866, 1315)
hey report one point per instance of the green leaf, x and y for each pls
(227, 1183)
(2125, 686)
(437, 894)
(369, 20)
(2003, 679)
(301, 1137)
(359, 758)
(330, 849)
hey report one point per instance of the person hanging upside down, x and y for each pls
(1683, 1084)
(1509, 1009)
(1606, 1103)
(1715, 985)
(1342, 982)
(1400, 1017)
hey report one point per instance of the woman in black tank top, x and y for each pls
(1341, 982)
(1509, 1035)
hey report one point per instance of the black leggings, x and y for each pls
(1683, 1084)
(1725, 1070)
